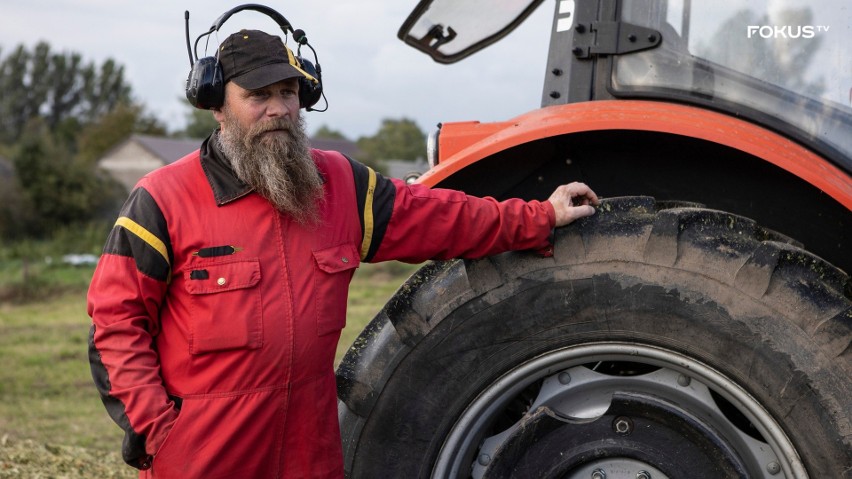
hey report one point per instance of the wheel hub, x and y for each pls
(653, 417)
(637, 430)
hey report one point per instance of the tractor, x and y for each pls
(699, 324)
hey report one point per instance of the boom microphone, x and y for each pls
(300, 37)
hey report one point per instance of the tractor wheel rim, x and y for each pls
(575, 391)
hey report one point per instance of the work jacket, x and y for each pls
(215, 318)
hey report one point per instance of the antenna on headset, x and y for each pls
(188, 48)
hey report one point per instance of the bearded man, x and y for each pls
(221, 292)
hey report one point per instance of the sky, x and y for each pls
(368, 74)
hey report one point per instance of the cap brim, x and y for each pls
(267, 75)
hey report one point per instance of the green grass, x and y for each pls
(49, 409)
(371, 288)
(33, 270)
(52, 423)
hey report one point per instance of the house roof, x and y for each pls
(346, 147)
(170, 150)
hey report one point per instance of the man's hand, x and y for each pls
(573, 201)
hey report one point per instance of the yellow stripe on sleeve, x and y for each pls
(144, 235)
(368, 215)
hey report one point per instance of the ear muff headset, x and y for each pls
(205, 88)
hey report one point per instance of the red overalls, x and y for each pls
(216, 318)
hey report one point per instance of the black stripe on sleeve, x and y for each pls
(141, 209)
(384, 195)
(133, 446)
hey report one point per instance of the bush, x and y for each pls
(33, 270)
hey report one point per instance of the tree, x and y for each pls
(57, 116)
(200, 123)
(15, 209)
(51, 183)
(53, 189)
(324, 131)
(58, 88)
(396, 140)
(112, 128)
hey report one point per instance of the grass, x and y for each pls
(371, 288)
(32, 270)
(52, 423)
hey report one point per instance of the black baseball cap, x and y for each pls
(253, 59)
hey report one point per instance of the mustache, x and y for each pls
(271, 124)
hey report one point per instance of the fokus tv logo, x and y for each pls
(785, 31)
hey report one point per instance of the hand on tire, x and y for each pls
(573, 201)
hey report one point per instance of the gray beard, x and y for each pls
(278, 166)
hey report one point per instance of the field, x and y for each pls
(52, 423)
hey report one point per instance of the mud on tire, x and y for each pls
(661, 337)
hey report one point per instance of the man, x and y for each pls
(219, 299)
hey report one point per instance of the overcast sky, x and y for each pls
(368, 73)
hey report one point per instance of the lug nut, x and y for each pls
(564, 378)
(643, 475)
(598, 474)
(622, 425)
(684, 380)
(484, 460)
(773, 468)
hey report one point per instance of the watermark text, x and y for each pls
(785, 31)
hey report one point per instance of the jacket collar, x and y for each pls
(225, 184)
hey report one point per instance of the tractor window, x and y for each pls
(778, 61)
(449, 30)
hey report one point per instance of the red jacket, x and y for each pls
(215, 318)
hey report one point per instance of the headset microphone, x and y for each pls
(314, 69)
(205, 88)
(300, 37)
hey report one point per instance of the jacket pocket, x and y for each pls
(230, 436)
(225, 306)
(335, 267)
(162, 455)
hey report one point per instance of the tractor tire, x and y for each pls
(661, 340)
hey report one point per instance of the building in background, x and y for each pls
(138, 155)
(406, 170)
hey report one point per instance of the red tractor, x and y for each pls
(699, 324)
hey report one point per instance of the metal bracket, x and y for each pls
(612, 38)
(436, 37)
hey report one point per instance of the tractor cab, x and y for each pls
(780, 64)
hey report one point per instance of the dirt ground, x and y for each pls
(31, 460)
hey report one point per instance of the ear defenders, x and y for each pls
(205, 88)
